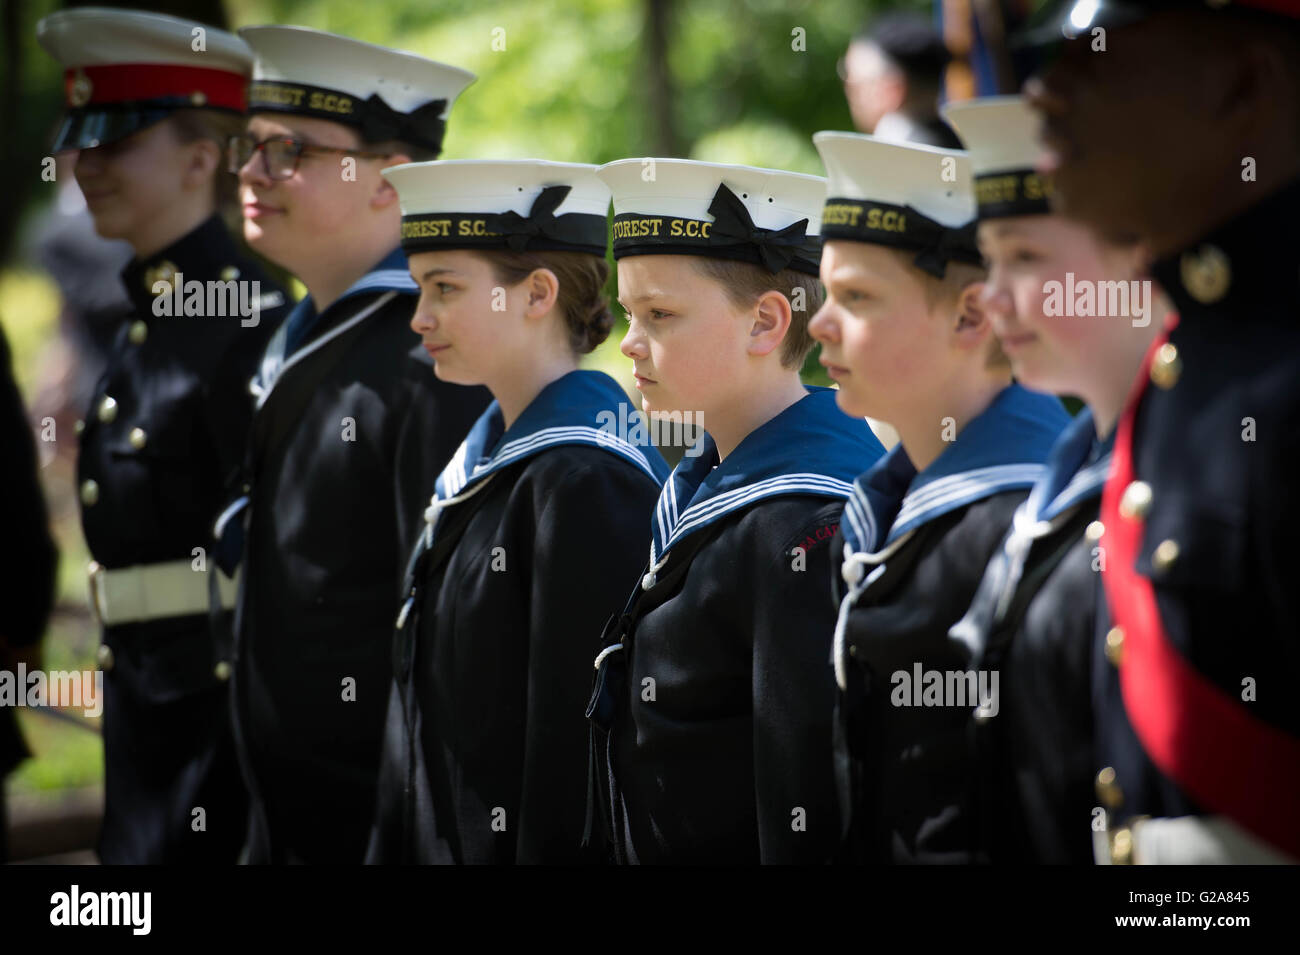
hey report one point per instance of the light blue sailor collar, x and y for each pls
(809, 448)
(286, 347)
(1002, 448)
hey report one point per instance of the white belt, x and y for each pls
(1187, 840)
(154, 591)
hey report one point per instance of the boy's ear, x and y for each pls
(972, 326)
(385, 195)
(771, 323)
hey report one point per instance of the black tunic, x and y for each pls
(345, 444)
(183, 381)
(1033, 620)
(902, 765)
(1215, 441)
(27, 591)
(486, 748)
(711, 724)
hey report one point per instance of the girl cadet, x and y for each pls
(905, 334)
(1036, 611)
(533, 529)
(170, 417)
(711, 713)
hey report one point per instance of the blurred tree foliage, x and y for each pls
(745, 81)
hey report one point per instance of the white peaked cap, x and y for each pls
(102, 36)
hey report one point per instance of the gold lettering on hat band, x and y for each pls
(1012, 193)
(297, 97)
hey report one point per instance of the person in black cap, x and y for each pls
(349, 432)
(164, 438)
(1197, 723)
(893, 75)
(534, 528)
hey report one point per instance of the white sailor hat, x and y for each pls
(520, 204)
(385, 94)
(1001, 134)
(767, 217)
(905, 196)
(128, 69)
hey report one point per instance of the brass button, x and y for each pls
(1165, 554)
(89, 493)
(1108, 790)
(1121, 847)
(222, 671)
(229, 273)
(198, 98)
(1115, 646)
(138, 438)
(1166, 366)
(138, 332)
(1135, 501)
(107, 409)
(162, 272)
(105, 656)
(1094, 531)
(80, 426)
(1206, 274)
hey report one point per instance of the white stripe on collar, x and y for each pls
(707, 511)
(547, 437)
(950, 492)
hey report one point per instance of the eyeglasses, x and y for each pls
(280, 155)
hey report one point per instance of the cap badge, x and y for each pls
(80, 89)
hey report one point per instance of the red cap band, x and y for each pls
(141, 82)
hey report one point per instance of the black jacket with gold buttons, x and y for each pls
(163, 437)
(1195, 707)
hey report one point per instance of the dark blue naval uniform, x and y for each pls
(711, 713)
(1033, 621)
(534, 532)
(1196, 712)
(914, 549)
(160, 446)
(351, 428)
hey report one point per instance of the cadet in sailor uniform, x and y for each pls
(165, 435)
(534, 528)
(905, 334)
(1033, 618)
(350, 429)
(711, 711)
(1198, 728)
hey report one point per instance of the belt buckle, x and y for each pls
(95, 574)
